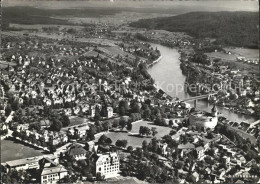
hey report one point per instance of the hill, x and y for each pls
(229, 28)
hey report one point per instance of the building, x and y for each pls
(200, 151)
(109, 112)
(77, 151)
(79, 130)
(195, 177)
(53, 174)
(107, 165)
(25, 163)
(92, 111)
(204, 119)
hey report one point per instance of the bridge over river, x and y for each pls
(195, 98)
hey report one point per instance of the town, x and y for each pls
(78, 105)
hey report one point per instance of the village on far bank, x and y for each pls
(76, 111)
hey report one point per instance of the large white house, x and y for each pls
(53, 174)
(108, 165)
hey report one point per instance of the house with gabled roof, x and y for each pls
(53, 174)
(77, 151)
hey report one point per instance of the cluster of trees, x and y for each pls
(59, 121)
(39, 142)
(104, 140)
(106, 125)
(121, 143)
(160, 122)
(144, 130)
(16, 177)
(124, 109)
(201, 58)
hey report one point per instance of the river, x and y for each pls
(168, 76)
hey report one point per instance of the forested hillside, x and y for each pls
(229, 28)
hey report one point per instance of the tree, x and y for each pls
(8, 110)
(97, 113)
(65, 120)
(52, 148)
(129, 126)
(102, 140)
(108, 141)
(122, 123)
(32, 138)
(99, 177)
(105, 126)
(121, 143)
(35, 126)
(15, 105)
(23, 135)
(144, 145)
(56, 125)
(170, 123)
(123, 107)
(87, 146)
(153, 145)
(91, 133)
(135, 108)
(130, 149)
(122, 111)
(154, 132)
(147, 131)
(138, 153)
(141, 130)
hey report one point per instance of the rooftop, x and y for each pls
(24, 161)
(52, 170)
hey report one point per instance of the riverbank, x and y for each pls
(154, 62)
(168, 77)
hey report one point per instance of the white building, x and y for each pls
(53, 174)
(26, 163)
(109, 112)
(108, 165)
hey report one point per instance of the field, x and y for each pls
(221, 55)
(75, 120)
(231, 60)
(136, 141)
(12, 150)
(248, 53)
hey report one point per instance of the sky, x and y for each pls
(202, 5)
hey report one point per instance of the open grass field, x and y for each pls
(136, 141)
(12, 150)
(75, 120)
(248, 53)
(221, 55)
(231, 59)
